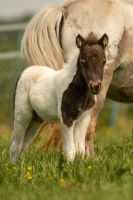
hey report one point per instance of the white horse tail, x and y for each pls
(41, 41)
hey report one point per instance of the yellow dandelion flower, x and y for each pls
(89, 167)
(62, 182)
(29, 177)
(29, 168)
(28, 173)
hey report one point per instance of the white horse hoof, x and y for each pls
(70, 155)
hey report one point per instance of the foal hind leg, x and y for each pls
(21, 123)
(32, 130)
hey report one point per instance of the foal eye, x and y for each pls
(104, 61)
(82, 61)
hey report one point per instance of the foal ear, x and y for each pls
(103, 41)
(79, 41)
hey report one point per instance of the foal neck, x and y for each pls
(79, 80)
(76, 98)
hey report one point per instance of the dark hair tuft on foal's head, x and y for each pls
(92, 39)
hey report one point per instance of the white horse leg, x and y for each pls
(69, 146)
(21, 123)
(31, 131)
(80, 130)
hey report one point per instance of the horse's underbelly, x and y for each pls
(121, 88)
(44, 105)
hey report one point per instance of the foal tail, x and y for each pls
(41, 41)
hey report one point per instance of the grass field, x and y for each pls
(43, 175)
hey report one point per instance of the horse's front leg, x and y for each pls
(69, 146)
(108, 74)
(80, 130)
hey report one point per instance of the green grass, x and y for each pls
(47, 175)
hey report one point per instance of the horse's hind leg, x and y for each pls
(21, 123)
(31, 131)
(25, 129)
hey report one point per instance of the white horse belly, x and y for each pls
(121, 88)
(42, 96)
(43, 103)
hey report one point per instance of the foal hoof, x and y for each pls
(70, 156)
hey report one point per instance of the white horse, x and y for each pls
(50, 36)
(66, 95)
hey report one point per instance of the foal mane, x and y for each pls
(91, 38)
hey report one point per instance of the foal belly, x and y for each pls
(46, 114)
(45, 107)
(121, 88)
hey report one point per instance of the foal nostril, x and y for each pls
(98, 87)
(95, 86)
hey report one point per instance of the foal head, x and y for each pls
(92, 59)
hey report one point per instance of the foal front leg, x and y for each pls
(80, 130)
(69, 146)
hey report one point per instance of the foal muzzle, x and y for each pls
(95, 87)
